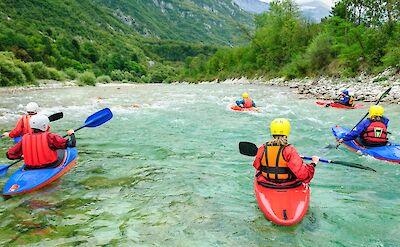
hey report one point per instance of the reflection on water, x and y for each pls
(166, 171)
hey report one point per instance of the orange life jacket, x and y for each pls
(248, 103)
(351, 101)
(376, 132)
(26, 128)
(273, 166)
(36, 150)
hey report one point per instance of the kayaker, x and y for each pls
(22, 126)
(371, 132)
(346, 98)
(278, 162)
(246, 102)
(39, 147)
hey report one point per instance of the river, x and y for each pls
(166, 171)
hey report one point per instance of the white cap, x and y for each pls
(32, 107)
(39, 121)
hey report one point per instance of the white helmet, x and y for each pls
(39, 121)
(32, 107)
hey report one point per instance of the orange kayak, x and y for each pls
(238, 108)
(283, 206)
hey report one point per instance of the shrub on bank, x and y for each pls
(39, 70)
(72, 73)
(103, 79)
(87, 78)
(10, 74)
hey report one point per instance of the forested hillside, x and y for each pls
(358, 37)
(127, 40)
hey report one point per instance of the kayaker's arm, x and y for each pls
(239, 102)
(357, 131)
(15, 152)
(302, 171)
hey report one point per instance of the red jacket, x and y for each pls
(21, 128)
(303, 172)
(55, 142)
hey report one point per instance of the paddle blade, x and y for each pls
(98, 118)
(56, 116)
(354, 165)
(3, 169)
(248, 148)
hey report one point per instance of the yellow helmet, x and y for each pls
(245, 95)
(376, 110)
(280, 127)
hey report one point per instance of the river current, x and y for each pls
(166, 171)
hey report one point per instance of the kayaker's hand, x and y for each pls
(6, 134)
(70, 132)
(340, 140)
(315, 159)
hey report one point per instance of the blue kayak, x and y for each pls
(389, 153)
(24, 181)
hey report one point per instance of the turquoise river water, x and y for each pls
(166, 171)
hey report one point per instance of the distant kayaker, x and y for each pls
(346, 98)
(22, 126)
(246, 102)
(371, 132)
(39, 147)
(278, 162)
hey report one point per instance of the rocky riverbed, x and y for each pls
(364, 87)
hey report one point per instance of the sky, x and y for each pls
(328, 2)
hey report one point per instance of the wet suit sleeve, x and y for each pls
(18, 130)
(357, 131)
(239, 102)
(15, 152)
(344, 100)
(258, 158)
(56, 141)
(304, 172)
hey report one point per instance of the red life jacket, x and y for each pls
(26, 128)
(248, 103)
(376, 132)
(274, 167)
(36, 150)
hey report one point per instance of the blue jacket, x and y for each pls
(241, 102)
(344, 100)
(362, 127)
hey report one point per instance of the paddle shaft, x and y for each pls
(379, 100)
(344, 163)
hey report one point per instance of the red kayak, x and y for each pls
(238, 108)
(337, 105)
(284, 207)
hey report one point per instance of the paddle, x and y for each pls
(250, 149)
(92, 121)
(379, 100)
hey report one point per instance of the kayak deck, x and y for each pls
(284, 207)
(389, 153)
(24, 181)
(238, 108)
(337, 105)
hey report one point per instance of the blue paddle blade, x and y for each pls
(98, 118)
(3, 169)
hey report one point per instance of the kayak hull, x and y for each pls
(24, 181)
(284, 207)
(337, 105)
(238, 108)
(389, 153)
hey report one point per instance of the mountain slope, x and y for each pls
(207, 21)
(252, 6)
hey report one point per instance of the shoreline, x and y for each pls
(365, 88)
